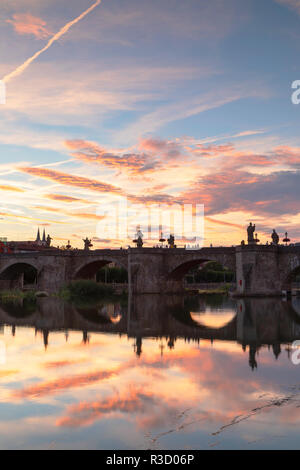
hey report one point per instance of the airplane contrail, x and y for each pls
(54, 38)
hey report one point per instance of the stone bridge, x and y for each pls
(260, 270)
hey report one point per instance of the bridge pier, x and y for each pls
(149, 274)
(51, 277)
(258, 271)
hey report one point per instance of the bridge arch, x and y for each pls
(178, 272)
(214, 322)
(230, 323)
(187, 319)
(18, 274)
(99, 315)
(290, 278)
(90, 268)
(293, 310)
(13, 313)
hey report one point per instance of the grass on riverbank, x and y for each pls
(14, 295)
(85, 290)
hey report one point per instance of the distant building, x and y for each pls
(39, 244)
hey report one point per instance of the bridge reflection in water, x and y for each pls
(252, 323)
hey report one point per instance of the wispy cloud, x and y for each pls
(182, 109)
(93, 185)
(28, 218)
(4, 187)
(224, 223)
(66, 383)
(86, 413)
(67, 199)
(90, 152)
(78, 215)
(71, 180)
(25, 23)
(86, 95)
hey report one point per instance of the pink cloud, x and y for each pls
(86, 413)
(71, 180)
(153, 155)
(213, 150)
(150, 155)
(66, 383)
(68, 199)
(92, 185)
(262, 184)
(25, 23)
(163, 148)
(90, 152)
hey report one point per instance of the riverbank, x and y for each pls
(13, 295)
(209, 289)
(85, 291)
(82, 289)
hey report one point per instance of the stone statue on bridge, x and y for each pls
(48, 241)
(87, 244)
(251, 231)
(275, 238)
(171, 241)
(138, 237)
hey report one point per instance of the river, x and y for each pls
(157, 372)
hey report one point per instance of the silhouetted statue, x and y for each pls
(139, 242)
(138, 237)
(275, 237)
(46, 337)
(252, 356)
(48, 241)
(87, 244)
(171, 241)
(85, 337)
(138, 346)
(276, 350)
(251, 230)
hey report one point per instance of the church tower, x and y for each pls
(38, 237)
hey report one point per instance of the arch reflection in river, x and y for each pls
(253, 323)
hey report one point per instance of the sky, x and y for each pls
(155, 102)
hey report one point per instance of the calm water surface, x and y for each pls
(154, 373)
